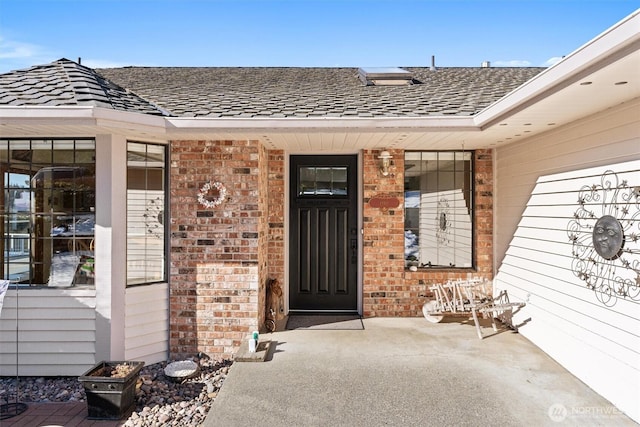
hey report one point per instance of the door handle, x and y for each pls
(354, 251)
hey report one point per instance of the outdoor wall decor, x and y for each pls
(443, 222)
(605, 237)
(384, 202)
(220, 194)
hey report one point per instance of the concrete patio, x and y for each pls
(397, 371)
(406, 371)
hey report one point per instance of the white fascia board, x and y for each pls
(620, 39)
(178, 125)
(124, 120)
(82, 116)
(34, 115)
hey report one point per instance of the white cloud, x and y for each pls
(17, 50)
(15, 55)
(524, 63)
(512, 63)
(101, 63)
(552, 61)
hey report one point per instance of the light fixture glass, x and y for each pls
(385, 162)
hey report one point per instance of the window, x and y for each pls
(146, 242)
(48, 211)
(322, 181)
(439, 209)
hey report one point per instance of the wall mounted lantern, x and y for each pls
(385, 162)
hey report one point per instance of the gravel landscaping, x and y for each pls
(160, 400)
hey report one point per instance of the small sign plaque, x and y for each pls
(384, 201)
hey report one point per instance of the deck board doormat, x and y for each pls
(260, 355)
(325, 321)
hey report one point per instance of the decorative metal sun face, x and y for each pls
(605, 237)
(608, 237)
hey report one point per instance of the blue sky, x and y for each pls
(347, 33)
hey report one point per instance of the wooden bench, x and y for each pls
(500, 308)
(461, 297)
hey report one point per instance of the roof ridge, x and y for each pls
(66, 82)
(83, 82)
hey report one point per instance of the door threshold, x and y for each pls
(321, 312)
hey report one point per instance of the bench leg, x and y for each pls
(475, 320)
(493, 323)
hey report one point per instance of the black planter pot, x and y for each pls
(110, 398)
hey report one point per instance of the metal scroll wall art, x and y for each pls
(443, 222)
(605, 236)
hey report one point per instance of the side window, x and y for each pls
(48, 212)
(146, 196)
(439, 209)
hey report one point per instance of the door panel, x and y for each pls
(323, 260)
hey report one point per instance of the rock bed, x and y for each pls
(159, 400)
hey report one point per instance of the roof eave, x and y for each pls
(178, 125)
(94, 119)
(611, 45)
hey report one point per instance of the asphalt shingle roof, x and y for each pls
(316, 92)
(65, 82)
(268, 92)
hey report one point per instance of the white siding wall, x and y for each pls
(537, 184)
(56, 332)
(147, 323)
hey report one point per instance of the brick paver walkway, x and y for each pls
(67, 414)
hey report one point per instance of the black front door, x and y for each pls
(323, 242)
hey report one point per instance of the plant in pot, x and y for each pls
(111, 389)
(412, 263)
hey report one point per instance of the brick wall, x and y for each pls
(222, 257)
(388, 288)
(384, 290)
(276, 216)
(216, 253)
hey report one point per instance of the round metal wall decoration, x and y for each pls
(608, 237)
(219, 196)
(605, 239)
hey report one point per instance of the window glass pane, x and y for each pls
(438, 209)
(307, 180)
(446, 180)
(322, 181)
(63, 152)
(145, 213)
(339, 185)
(412, 156)
(155, 155)
(446, 160)
(49, 231)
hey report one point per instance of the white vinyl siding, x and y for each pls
(55, 331)
(147, 323)
(537, 187)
